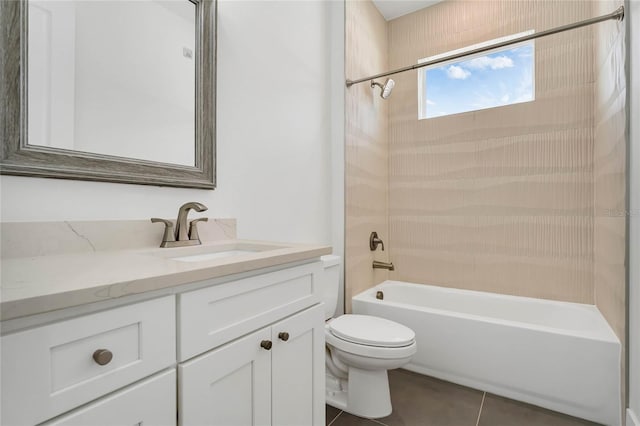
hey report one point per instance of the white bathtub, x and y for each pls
(558, 355)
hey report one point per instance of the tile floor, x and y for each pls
(420, 400)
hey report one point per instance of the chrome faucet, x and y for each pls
(185, 234)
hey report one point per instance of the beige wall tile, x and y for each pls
(366, 155)
(610, 197)
(499, 199)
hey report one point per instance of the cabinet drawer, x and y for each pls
(150, 402)
(212, 316)
(49, 370)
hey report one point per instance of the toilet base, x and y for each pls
(335, 391)
(337, 399)
(365, 394)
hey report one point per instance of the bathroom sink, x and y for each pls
(215, 252)
(212, 256)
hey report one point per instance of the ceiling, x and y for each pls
(392, 9)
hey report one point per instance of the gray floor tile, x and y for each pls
(424, 401)
(421, 400)
(330, 413)
(498, 411)
(346, 419)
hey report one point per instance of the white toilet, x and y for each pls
(359, 351)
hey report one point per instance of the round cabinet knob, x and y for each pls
(266, 344)
(102, 356)
(283, 336)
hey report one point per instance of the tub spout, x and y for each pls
(383, 265)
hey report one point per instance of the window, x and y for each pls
(491, 79)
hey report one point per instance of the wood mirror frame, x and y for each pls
(17, 157)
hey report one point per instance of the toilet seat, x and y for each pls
(371, 331)
(394, 334)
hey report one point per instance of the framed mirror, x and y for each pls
(117, 91)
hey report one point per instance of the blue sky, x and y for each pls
(497, 79)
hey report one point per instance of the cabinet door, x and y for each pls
(298, 382)
(228, 386)
(149, 402)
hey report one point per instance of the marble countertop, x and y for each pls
(36, 284)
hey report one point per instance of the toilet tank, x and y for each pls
(330, 284)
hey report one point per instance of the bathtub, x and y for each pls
(557, 355)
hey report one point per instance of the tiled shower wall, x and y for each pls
(527, 199)
(609, 170)
(500, 199)
(366, 155)
(609, 174)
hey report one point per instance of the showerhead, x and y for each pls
(385, 91)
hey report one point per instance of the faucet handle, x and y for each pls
(168, 230)
(193, 229)
(374, 241)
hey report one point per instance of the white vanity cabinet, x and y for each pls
(274, 376)
(265, 361)
(245, 350)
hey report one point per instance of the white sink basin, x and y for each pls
(212, 256)
(214, 252)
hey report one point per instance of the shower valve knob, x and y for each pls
(375, 241)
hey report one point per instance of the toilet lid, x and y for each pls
(371, 331)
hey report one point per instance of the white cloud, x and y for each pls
(524, 91)
(430, 102)
(457, 73)
(495, 63)
(505, 98)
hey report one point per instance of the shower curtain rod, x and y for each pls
(618, 14)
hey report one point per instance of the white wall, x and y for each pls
(338, 136)
(274, 137)
(633, 14)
